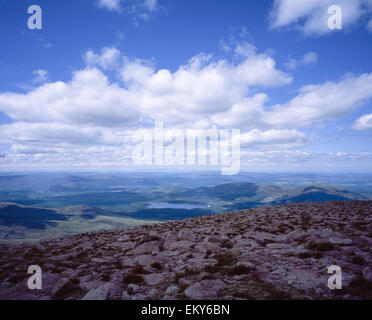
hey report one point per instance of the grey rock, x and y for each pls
(205, 289)
(206, 246)
(62, 288)
(97, 294)
(146, 260)
(295, 235)
(154, 279)
(172, 291)
(181, 246)
(133, 287)
(367, 273)
(340, 241)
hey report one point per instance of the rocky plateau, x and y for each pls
(274, 252)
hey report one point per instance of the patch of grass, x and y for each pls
(104, 277)
(227, 245)
(243, 295)
(225, 259)
(130, 291)
(139, 270)
(133, 278)
(360, 225)
(277, 294)
(305, 219)
(187, 273)
(181, 292)
(157, 265)
(358, 260)
(18, 278)
(208, 254)
(361, 283)
(212, 268)
(320, 246)
(208, 277)
(305, 255)
(237, 270)
(359, 287)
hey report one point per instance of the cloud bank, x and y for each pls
(91, 119)
(311, 16)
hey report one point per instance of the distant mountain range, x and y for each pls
(247, 195)
(21, 222)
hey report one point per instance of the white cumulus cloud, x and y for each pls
(201, 87)
(91, 118)
(312, 105)
(108, 58)
(311, 16)
(87, 99)
(41, 75)
(112, 5)
(363, 123)
(308, 58)
(322, 102)
(274, 139)
(139, 9)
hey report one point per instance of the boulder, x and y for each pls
(147, 247)
(154, 279)
(125, 245)
(107, 291)
(207, 246)
(186, 235)
(171, 236)
(62, 288)
(278, 246)
(146, 260)
(295, 235)
(153, 294)
(205, 289)
(181, 246)
(367, 273)
(172, 291)
(340, 241)
(100, 293)
(129, 262)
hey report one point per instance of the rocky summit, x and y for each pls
(277, 252)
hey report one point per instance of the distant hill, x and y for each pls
(101, 198)
(28, 217)
(228, 191)
(20, 223)
(248, 195)
(319, 193)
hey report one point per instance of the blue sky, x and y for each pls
(72, 94)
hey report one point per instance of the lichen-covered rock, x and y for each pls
(181, 246)
(154, 279)
(146, 260)
(100, 293)
(206, 289)
(172, 291)
(340, 241)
